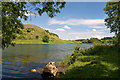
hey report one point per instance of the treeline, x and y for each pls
(105, 40)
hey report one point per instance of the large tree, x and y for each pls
(112, 9)
(13, 11)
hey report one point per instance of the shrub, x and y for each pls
(66, 60)
(82, 55)
(47, 31)
(28, 30)
(45, 38)
(37, 37)
(70, 59)
(91, 40)
(19, 32)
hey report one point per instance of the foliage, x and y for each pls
(47, 31)
(100, 61)
(29, 30)
(70, 59)
(113, 20)
(66, 60)
(91, 40)
(12, 11)
(115, 40)
(82, 40)
(54, 34)
(10, 22)
(45, 38)
(37, 37)
(106, 38)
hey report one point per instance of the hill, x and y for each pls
(32, 34)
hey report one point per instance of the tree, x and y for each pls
(107, 38)
(13, 12)
(112, 9)
(47, 31)
(45, 38)
(92, 40)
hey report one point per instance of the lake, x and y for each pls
(18, 60)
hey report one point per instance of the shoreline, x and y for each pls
(55, 42)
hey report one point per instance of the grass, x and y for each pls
(96, 62)
(37, 41)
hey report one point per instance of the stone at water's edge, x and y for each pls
(33, 70)
(50, 71)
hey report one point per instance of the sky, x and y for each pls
(78, 20)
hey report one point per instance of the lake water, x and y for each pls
(18, 60)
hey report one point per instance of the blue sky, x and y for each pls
(78, 20)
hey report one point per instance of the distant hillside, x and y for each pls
(34, 34)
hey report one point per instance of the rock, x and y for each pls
(50, 70)
(33, 70)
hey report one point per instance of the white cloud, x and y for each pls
(60, 29)
(90, 34)
(77, 22)
(70, 35)
(67, 27)
(93, 29)
(98, 27)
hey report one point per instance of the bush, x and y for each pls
(45, 38)
(82, 55)
(54, 34)
(70, 59)
(19, 32)
(37, 37)
(115, 40)
(28, 30)
(66, 60)
(47, 31)
(91, 40)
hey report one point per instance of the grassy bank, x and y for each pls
(38, 41)
(95, 62)
(55, 41)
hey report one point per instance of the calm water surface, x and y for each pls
(18, 60)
